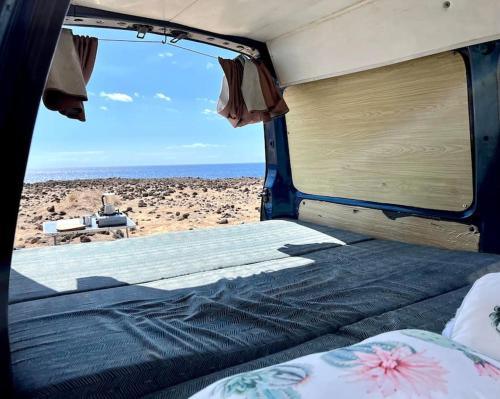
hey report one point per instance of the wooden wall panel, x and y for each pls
(375, 223)
(398, 134)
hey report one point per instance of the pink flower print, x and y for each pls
(399, 369)
(486, 369)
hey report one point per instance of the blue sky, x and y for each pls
(149, 104)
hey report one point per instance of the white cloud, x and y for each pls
(208, 111)
(201, 145)
(117, 97)
(103, 107)
(165, 54)
(136, 94)
(91, 93)
(211, 114)
(75, 153)
(193, 146)
(209, 65)
(162, 96)
(206, 100)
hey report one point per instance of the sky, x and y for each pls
(149, 104)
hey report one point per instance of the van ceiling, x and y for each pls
(314, 39)
(259, 20)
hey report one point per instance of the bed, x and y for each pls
(174, 312)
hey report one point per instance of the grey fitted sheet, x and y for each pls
(51, 271)
(138, 339)
(430, 314)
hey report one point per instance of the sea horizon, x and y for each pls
(203, 171)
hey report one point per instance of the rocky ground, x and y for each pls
(156, 205)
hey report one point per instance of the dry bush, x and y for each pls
(73, 196)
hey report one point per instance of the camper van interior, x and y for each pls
(375, 269)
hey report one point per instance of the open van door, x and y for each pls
(29, 30)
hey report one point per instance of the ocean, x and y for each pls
(213, 171)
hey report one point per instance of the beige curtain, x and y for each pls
(72, 66)
(251, 80)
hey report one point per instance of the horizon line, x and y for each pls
(142, 166)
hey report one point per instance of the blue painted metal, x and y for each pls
(280, 201)
(485, 94)
(400, 210)
(483, 78)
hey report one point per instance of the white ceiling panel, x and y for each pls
(255, 19)
(156, 9)
(379, 33)
(315, 39)
(259, 20)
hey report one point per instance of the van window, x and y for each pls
(398, 134)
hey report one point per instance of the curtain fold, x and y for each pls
(70, 71)
(276, 105)
(249, 93)
(86, 48)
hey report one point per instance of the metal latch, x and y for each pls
(178, 35)
(142, 30)
(265, 194)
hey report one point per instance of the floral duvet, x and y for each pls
(398, 364)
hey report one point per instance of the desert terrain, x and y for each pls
(155, 205)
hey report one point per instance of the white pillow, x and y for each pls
(448, 328)
(477, 322)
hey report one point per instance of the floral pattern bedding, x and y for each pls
(398, 364)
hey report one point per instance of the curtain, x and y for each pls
(70, 71)
(248, 79)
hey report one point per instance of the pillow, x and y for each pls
(398, 364)
(448, 328)
(477, 322)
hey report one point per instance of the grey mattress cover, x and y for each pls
(430, 314)
(51, 271)
(133, 340)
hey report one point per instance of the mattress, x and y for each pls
(51, 271)
(430, 314)
(139, 339)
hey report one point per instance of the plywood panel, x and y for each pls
(398, 134)
(375, 223)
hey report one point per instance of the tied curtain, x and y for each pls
(71, 68)
(249, 93)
